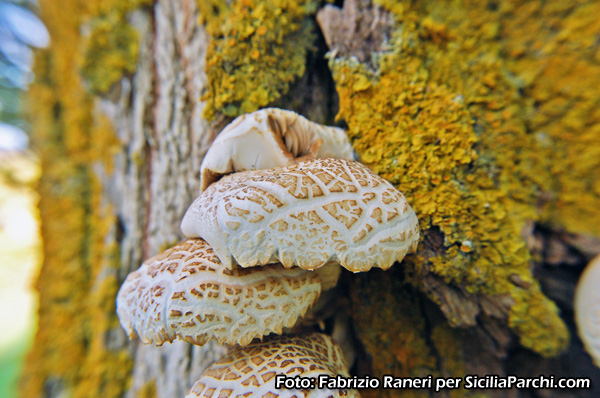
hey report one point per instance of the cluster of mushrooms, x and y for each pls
(282, 207)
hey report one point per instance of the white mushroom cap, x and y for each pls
(587, 309)
(306, 214)
(251, 371)
(270, 138)
(186, 293)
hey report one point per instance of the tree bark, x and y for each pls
(122, 165)
(158, 118)
(131, 202)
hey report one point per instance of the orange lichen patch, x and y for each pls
(58, 346)
(258, 49)
(70, 354)
(388, 317)
(440, 119)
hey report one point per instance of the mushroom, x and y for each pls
(252, 371)
(587, 309)
(269, 138)
(186, 293)
(306, 214)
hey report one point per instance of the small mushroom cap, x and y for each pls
(269, 138)
(587, 309)
(186, 293)
(251, 371)
(306, 214)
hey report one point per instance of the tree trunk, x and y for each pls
(118, 120)
(132, 157)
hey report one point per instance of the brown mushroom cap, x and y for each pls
(186, 293)
(251, 371)
(269, 138)
(587, 309)
(306, 214)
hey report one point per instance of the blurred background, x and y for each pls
(20, 250)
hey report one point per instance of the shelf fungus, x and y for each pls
(270, 138)
(186, 293)
(254, 371)
(306, 214)
(587, 309)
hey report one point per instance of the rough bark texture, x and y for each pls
(158, 118)
(121, 154)
(143, 184)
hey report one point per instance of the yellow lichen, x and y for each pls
(438, 117)
(258, 49)
(77, 282)
(112, 47)
(148, 390)
(112, 50)
(552, 49)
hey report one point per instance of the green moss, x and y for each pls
(439, 118)
(258, 49)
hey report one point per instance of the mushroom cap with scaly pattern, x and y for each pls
(186, 293)
(269, 138)
(306, 214)
(587, 309)
(251, 371)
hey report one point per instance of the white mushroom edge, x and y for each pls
(307, 214)
(186, 293)
(587, 309)
(252, 370)
(270, 138)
